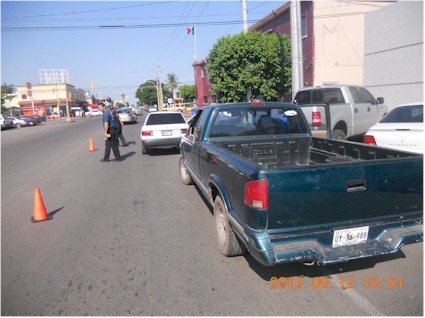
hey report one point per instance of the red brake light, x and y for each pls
(183, 131)
(369, 140)
(316, 119)
(256, 194)
(147, 133)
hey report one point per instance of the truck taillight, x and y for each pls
(369, 140)
(183, 131)
(316, 119)
(256, 194)
(147, 133)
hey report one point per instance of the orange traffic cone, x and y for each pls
(91, 145)
(39, 208)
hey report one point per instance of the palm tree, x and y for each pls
(172, 83)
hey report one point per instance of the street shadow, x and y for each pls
(164, 152)
(50, 215)
(207, 203)
(127, 155)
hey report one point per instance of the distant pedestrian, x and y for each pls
(110, 134)
(119, 125)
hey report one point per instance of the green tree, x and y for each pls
(147, 93)
(256, 61)
(187, 92)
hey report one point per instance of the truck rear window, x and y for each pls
(319, 96)
(259, 121)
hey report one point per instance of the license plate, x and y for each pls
(352, 236)
(167, 132)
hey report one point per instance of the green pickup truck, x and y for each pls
(285, 196)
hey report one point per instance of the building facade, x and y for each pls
(332, 41)
(393, 62)
(50, 100)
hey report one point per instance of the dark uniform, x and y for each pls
(112, 141)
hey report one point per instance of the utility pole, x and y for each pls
(159, 92)
(245, 30)
(244, 16)
(296, 48)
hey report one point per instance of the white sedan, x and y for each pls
(94, 112)
(402, 129)
(162, 130)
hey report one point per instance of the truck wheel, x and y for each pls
(338, 134)
(226, 239)
(184, 174)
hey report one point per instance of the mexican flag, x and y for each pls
(191, 30)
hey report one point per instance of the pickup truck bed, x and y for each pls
(311, 193)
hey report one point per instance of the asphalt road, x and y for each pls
(129, 238)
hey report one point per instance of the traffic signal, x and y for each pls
(92, 84)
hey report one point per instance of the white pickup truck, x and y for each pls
(351, 110)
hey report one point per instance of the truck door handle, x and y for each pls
(356, 185)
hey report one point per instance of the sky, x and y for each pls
(116, 44)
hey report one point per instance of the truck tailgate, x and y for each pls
(335, 195)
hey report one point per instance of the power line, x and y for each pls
(128, 18)
(109, 27)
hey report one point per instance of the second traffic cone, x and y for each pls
(40, 213)
(91, 145)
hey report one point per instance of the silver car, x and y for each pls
(127, 115)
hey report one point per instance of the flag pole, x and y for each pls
(194, 31)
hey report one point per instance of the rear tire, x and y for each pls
(226, 239)
(338, 134)
(18, 125)
(184, 174)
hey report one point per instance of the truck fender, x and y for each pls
(217, 187)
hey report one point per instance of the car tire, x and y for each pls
(144, 149)
(18, 125)
(184, 173)
(226, 239)
(338, 134)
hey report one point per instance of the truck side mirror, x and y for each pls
(379, 100)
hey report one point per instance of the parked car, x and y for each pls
(31, 120)
(6, 123)
(401, 129)
(127, 116)
(162, 130)
(17, 122)
(94, 112)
